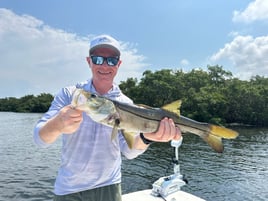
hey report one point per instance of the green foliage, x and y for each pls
(28, 103)
(210, 96)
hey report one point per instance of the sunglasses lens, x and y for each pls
(97, 60)
(112, 61)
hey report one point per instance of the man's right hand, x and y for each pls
(66, 121)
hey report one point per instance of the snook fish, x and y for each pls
(132, 119)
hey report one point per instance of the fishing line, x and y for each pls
(171, 163)
(162, 197)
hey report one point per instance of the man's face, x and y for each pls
(103, 73)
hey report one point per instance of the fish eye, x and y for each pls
(93, 96)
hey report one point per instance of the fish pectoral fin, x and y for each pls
(215, 142)
(115, 129)
(114, 133)
(130, 138)
(173, 107)
(223, 132)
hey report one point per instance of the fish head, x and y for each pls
(99, 108)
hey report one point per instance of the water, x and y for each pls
(241, 173)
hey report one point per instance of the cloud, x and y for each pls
(133, 64)
(37, 58)
(247, 54)
(256, 10)
(184, 62)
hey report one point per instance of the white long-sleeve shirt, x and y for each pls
(89, 158)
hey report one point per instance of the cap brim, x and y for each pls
(105, 46)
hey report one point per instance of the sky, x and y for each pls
(44, 44)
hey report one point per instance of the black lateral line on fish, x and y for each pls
(136, 113)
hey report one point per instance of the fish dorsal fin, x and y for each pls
(173, 107)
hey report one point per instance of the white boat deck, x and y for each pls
(145, 195)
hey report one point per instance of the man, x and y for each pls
(90, 162)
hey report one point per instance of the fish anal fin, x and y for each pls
(215, 142)
(173, 107)
(130, 138)
(223, 132)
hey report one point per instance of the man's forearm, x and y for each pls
(50, 131)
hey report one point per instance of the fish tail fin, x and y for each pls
(215, 142)
(215, 135)
(223, 132)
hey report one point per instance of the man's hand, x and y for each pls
(167, 131)
(66, 121)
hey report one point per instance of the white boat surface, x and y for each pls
(145, 195)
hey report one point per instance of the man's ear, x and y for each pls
(119, 63)
(88, 61)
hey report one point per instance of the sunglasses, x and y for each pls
(98, 60)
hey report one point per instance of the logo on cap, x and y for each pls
(103, 40)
